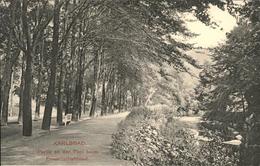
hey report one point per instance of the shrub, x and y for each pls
(152, 137)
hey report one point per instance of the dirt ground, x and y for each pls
(82, 143)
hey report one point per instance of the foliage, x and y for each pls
(216, 153)
(233, 82)
(235, 70)
(153, 137)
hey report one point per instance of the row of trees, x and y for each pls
(69, 51)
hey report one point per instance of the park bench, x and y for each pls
(182, 111)
(67, 119)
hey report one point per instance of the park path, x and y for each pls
(82, 143)
(192, 124)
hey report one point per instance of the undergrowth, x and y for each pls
(152, 137)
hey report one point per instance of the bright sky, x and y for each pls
(209, 37)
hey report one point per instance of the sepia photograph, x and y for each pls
(130, 82)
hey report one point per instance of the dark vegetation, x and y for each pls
(231, 86)
(154, 137)
(85, 57)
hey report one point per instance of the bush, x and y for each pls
(152, 137)
(215, 152)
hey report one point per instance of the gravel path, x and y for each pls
(82, 143)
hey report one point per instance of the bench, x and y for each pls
(67, 119)
(182, 111)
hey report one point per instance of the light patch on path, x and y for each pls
(87, 142)
(190, 119)
(191, 123)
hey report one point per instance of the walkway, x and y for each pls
(82, 143)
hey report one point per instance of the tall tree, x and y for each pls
(12, 54)
(20, 114)
(27, 109)
(95, 83)
(40, 80)
(53, 67)
(235, 81)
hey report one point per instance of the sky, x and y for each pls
(207, 36)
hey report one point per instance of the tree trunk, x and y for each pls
(86, 98)
(95, 85)
(252, 97)
(67, 93)
(80, 86)
(108, 96)
(125, 101)
(103, 98)
(78, 99)
(27, 109)
(134, 97)
(68, 82)
(7, 74)
(39, 85)
(76, 106)
(112, 98)
(1, 97)
(79, 82)
(46, 123)
(6, 86)
(85, 101)
(119, 97)
(10, 112)
(59, 105)
(110, 90)
(20, 115)
(61, 85)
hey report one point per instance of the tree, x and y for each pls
(55, 51)
(11, 57)
(27, 112)
(235, 81)
(99, 42)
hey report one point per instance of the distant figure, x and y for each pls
(182, 110)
